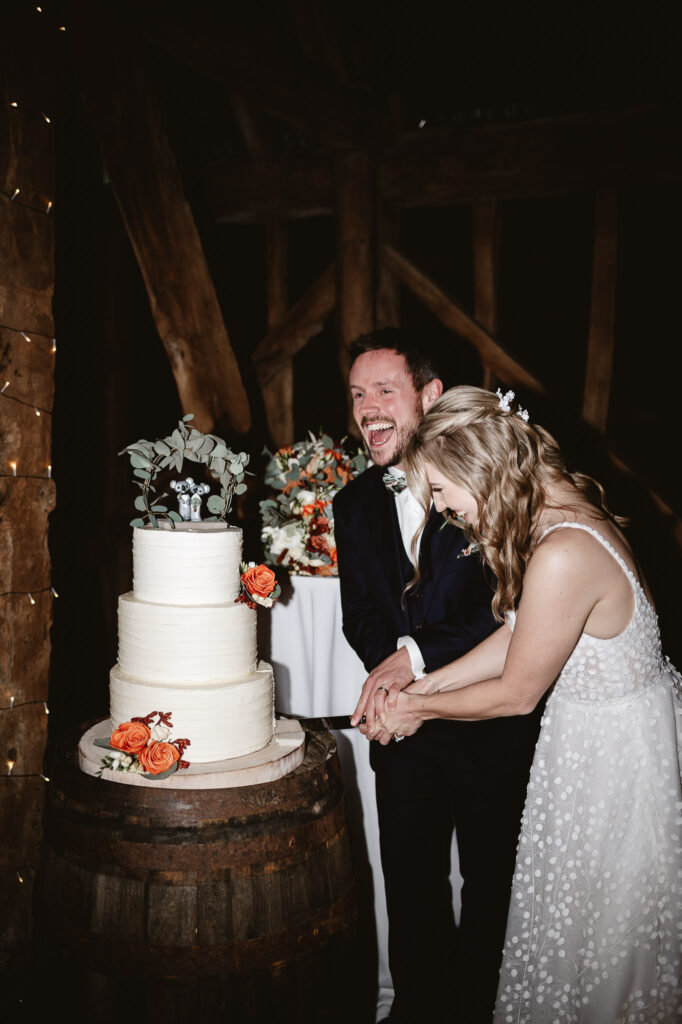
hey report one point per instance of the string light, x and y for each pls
(54, 340)
(15, 194)
(14, 468)
(24, 704)
(49, 477)
(25, 336)
(54, 592)
(45, 117)
(26, 206)
(10, 766)
(45, 777)
(4, 387)
(49, 207)
(21, 881)
(31, 598)
(23, 330)
(36, 410)
(14, 103)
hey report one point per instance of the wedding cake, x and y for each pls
(187, 646)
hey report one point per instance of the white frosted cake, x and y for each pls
(186, 646)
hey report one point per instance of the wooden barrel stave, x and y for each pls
(221, 898)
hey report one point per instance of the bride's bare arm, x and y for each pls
(560, 590)
(482, 662)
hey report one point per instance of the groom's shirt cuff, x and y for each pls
(418, 663)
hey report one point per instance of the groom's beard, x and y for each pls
(401, 438)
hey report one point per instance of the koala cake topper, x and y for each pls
(189, 498)
(149, 458)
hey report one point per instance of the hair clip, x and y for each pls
(505, 404)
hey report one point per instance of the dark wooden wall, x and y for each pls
(27, 359)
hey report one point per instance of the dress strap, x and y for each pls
(604, 543)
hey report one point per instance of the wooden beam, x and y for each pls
(305, 318)
(454, 317)
(355, 249)
(602, 313)
(148, 187)
(278, 393)
(247, 127)
(486, 266)
(543, 157)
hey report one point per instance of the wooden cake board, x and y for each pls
(283, 753)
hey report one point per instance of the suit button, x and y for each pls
(418, 626)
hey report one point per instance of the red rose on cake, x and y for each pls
(158, 757)
(130, 737)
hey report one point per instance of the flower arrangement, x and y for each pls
(144, 747)
(148, 458)
(258, 586)
(298, 524)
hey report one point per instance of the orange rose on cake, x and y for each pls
(259, 585)
(158, 757)
(130, 737)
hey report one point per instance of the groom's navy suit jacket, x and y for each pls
(448, 614)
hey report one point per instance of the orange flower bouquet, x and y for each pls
(143, 747)
(298, 523)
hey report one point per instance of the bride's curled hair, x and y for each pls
(507, 464)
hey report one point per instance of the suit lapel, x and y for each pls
(437, 544)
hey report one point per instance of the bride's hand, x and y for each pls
(402, 720)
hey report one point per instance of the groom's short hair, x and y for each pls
(420, 364)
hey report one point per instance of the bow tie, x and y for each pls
(394, 484)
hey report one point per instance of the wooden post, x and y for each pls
(355, 248)
(602, 313)
(388, 286)
(27, 490)
(278, 393)
(486, 263)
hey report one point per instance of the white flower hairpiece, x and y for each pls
(505, 404)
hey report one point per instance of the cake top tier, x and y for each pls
(193, 564)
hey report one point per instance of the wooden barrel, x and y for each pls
(231, 904)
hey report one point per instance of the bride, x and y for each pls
(595, 920)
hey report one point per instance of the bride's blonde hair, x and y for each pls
(507, 464)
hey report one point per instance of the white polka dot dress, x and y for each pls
(594, 934)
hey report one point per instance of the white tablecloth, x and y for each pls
(317, 673)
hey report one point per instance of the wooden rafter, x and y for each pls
(278, 393)
(486, 264)
(453, 316)
(355, 249)
(149, 191)
(305, 318)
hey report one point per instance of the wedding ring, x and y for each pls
(382, 688)
(398, 738)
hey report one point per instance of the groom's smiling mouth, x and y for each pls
(379, 432)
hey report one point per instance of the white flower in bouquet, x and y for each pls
(290, 538)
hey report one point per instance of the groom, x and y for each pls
(468, 775)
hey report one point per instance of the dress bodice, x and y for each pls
(604, 670)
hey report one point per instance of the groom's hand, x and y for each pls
(383, 685)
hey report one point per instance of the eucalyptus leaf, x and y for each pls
(137, 522)
(175, 516)
(104, 743)
(154, 521)
(177, 440)
(187, 417)
(141, 474)
(216, 504)
(159, 508)
(139, 461)
(220, 451)
(140, 504)
(161, 448)
(162, 775)
(240, 488)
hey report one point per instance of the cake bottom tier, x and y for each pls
(221, 720)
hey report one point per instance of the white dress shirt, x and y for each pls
(410, 515)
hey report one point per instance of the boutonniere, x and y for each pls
(395, 484)
(457, 519)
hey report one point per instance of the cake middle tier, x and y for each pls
(170, 643)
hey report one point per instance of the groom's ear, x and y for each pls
(430, 392)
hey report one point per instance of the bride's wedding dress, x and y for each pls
(594, 934)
